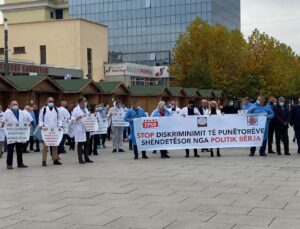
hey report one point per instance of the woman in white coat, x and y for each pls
(214, 110)
(14, 115)
(81, 135)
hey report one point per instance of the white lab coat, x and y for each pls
(51, 118)
(217, 111)
(9, 117)
(64, 114)
(27, 116)
(184, 111)
(2, 132)
(80, 131)
(176, 112)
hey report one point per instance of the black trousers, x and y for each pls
(271, 137)
(61, 147)
(32, 141)
(297, 133)
(94, 142)
(135, 150)
(187, 151)
(103, 139)
(24, 146)
(282, 134)
(10, 153)
(262, 149)
(83, 148)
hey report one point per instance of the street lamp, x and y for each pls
(5, 47)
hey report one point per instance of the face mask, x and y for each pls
(50, 105)
(230, 104)
(281, 104)
(275, 104)
(15, 107)
(258, 102)
(85, 104)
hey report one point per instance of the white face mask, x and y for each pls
(85, 104)
(50, 105)
(258, 102)
(281, 104)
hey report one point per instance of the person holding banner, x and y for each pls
(213, 110)
(82, 137)
(261, 108)
(162, 111)
(187, 111)
(174, 109)
(95, 135)
(135, 112)
(29, 119)
(65, 118)
(16, 116)
(116, 113)
(50, 118)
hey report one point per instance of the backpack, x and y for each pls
(44, 112)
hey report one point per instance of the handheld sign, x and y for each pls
(17, 132)
(52, 136)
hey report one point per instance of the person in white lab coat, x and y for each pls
(65, 117)
(29, 119)
(117, 131)
(2, 133)
(14, 115)
(82, 137)
(49, 118)
(174, 109)
(187, 111)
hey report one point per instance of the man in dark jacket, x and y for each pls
(281, 124)
(295, 122)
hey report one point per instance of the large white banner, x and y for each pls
(90, 122)
(17, 132)
(52, 136)
(118, 119)
(196, 132)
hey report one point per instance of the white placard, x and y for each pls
(90, 122)
(52, 136)
(17, 132)
(103, 126)
(196, 132)
(118, 119)
(66, 124)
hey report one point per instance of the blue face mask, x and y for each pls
(15, 107)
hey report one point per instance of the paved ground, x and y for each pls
(232, 192)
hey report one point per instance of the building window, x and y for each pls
(148, 3)
(19, 50)
(2, 51)
(59, 14)
(90, 62)
(43, 54)
(51, 15)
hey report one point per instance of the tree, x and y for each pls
(212, 57)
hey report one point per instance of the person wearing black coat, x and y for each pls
(272, 103)
(295, 122)
(229, 108)
(281, 124)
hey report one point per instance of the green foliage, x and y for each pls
(212, 57)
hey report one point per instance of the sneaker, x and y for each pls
(56, 162)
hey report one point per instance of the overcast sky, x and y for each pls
(278, 18)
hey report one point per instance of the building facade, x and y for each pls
(19, 11)
(145, 31)
(137, 75)
(70, 43)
